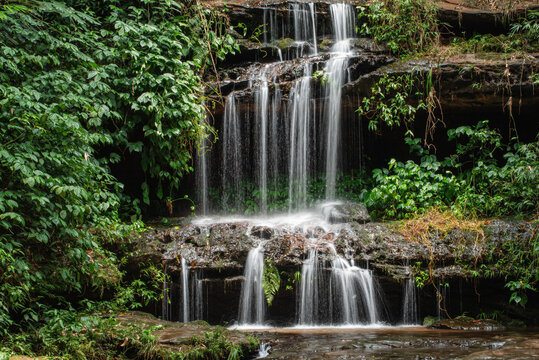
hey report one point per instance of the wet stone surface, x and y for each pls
(399, 343)
(467, 323)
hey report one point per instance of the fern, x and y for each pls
(271, 281)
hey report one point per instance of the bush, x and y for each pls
(86, 85)
(406, 26)
(481, 179)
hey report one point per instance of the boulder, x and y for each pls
(338, 213)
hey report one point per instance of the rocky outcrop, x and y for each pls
(224, 245)
(188, 339)
(457, 16)
(467, 323)
(469, 82)
(216, 251)
(346, 213)
(462, 18)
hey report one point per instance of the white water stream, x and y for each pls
(275, 136)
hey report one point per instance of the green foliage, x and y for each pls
(213, 345)
(291, 279)
(245, 198)
(73, 335)
(83, 336)
(421, 277)
(145, 288)
(471, 182)
(392, 101)
(523, 37)
(395, 100)
(406, 188)
(406, 26)
(529, 26)
(271, 280)
(493, 189)
(84, 86)
(520, 265)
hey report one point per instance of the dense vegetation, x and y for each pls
(86, 86)
(484, 176)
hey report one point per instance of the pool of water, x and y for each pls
(397, 343)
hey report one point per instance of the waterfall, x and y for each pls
(310, 284)
(342, 17)
(197, 304)
(304, 25)
(203, 179)
(354, 292)
(300, 122)
(313, 20)
(350, 298)
(231, 152)
(261, 119)
(274, 135)
(410, 314)
(252, 299)
(299, 25)
(283, 131)
(202, 175)
(185, 291)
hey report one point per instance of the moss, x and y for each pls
(325, 44)
(137, 335)
(429, 320)
(285, 43)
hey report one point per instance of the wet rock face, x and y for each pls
(216, 251)
(224, 246)
(347, 213)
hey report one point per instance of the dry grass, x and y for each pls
(420, 228)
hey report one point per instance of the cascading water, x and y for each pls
(262, 107)
(299, 25)
(410, 314)
(274, 134)
(267, 134)
(354, 293)
(202, 175)
(185, 291)
(342, 17)
(252, 301)
(231, 150)
(300, 123)
(312, 280)
(197, 305)
(350, 297)
(292, 131)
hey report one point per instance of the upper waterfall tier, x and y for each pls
(274, 142)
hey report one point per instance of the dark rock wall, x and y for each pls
(459, 296)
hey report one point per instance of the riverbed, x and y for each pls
(397, 343)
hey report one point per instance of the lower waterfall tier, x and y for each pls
(321, 269)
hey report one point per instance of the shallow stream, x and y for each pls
(398, 343)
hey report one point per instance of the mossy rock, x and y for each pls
(429, 320)
(285, 43)
(194, 337)
(325, 44)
